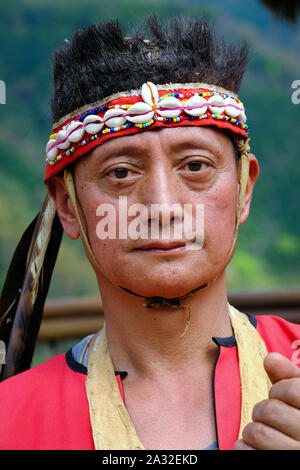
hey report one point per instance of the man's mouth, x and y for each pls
(160, 246)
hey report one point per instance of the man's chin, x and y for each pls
(176, 291)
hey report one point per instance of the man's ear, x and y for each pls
(64, 206)
(253, 175)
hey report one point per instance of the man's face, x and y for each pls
(185, 165)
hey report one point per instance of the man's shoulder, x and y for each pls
(55, 378)
(48, 403)
(51, 366)
(50, 371)
(277, 324)
(279, 334)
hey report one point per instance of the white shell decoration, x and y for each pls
(140, 113)
(114, 117)
(52, 153)
(216, 104)
(242, 117)
(169, 102)
(196, 100)
(73, 134)
(93, 124)
(62, 136)
(231, 107)
(146, 90)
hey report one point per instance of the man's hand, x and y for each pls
(276, 421)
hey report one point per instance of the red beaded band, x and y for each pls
(152, 109)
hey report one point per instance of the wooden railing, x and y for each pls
(77, 317)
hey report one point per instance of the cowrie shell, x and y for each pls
(146, 93)
(93, 124)
(216, 104)
(73, 134)
(169, 102)
(140, 113)
(242, 117)
(52, 153)
(62, 136)
(196, 100)
(231, 107)
(114, 117)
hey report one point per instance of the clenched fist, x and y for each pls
(276, 421)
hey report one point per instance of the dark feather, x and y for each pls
(25, 290)
(288, 9)
(13, 284)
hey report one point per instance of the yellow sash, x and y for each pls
(111, 424)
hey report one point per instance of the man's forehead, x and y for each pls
(204, 138)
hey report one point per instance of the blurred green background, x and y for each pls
(268, 252)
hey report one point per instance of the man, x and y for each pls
(151, 123)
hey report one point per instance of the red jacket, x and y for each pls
(46, 407)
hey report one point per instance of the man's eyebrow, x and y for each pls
(139, 151)
(127, 149)
(207, 144)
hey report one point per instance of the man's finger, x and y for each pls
(279, 367)
(277, 414)
(263, 437)
(288, 391)
(241, 445)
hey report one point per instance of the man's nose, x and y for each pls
(162, 196)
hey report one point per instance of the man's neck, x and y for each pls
(150, 342)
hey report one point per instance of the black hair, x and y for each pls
(100, 60)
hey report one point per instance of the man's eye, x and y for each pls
(195, 166)
(120, 173)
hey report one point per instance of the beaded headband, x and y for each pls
(154, 106)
